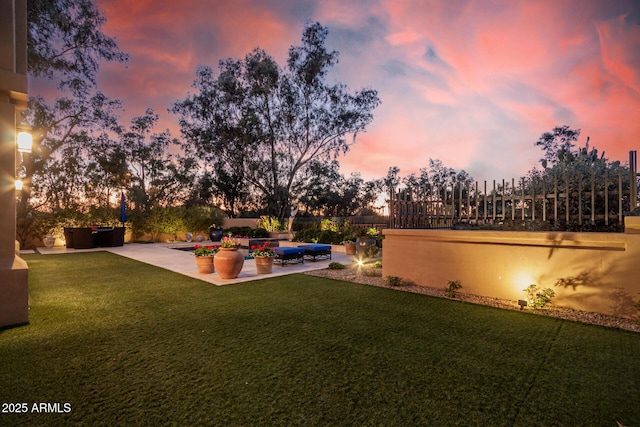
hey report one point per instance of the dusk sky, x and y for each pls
(472, 83)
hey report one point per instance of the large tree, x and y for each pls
(267, 124)
(65, 44)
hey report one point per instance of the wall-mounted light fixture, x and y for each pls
(25, 142)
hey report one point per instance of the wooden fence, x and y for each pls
(570, 199)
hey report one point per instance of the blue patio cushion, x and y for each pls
(288, 251)
(315, 247)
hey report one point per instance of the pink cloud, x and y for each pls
(472, 83)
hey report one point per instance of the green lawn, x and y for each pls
(125, 343)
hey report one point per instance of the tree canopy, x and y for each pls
(258, 123)
(64, 39)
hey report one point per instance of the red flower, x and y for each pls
(253, 247)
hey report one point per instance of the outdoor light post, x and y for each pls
(14, 295)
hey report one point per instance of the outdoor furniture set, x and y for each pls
(93, 237)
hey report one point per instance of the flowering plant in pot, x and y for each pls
(228, 261)
(204, 258)
(264, 256)
(205, 250)
(228, 243)
(264, 250)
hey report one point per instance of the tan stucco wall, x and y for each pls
(240, 222)
(600, 271)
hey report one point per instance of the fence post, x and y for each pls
(606, 197)
(633, 180)
(391, 219)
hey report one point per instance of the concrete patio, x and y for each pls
(162, 255)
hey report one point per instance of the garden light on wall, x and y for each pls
(25, 142)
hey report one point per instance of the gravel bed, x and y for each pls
(366, 277)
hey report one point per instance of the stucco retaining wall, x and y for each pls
(597, 272)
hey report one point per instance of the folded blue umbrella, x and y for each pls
(123, 209)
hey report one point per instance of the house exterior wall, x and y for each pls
(14, 295)
(597, 272)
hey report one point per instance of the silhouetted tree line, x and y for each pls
(257, 138)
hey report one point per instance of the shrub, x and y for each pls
(269, 223)
(336, 266)
(258, 233)
(452, 287)
(377, 264)
(393, 280)
(538, 298)
(246, 231)
(328, 225)
(200, 218)
(370, 271)
(328, 232)
(371, 252)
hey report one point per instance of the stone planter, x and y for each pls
(228, 263)
(350, 248)
(49, 241)
(205, 264)
(366, 247)
(264, 264)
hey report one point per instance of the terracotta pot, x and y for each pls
(205, 264)
(264, 264)
(350, 248)
(228, 263)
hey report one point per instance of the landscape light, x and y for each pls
(522, 303)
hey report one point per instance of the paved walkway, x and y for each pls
(161, 255)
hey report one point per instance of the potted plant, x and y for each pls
(350, 242)
(228, 261)
(215, 233)
(204, 258)
(264, 256)
(349, 247)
